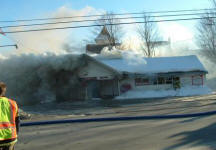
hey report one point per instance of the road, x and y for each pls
(171, 134)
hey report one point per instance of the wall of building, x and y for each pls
(93, 70)
(109, 88)
(126, 84)
(192, 79)
(185, 80)
(101, 82)
(131, 81)
(127, 81)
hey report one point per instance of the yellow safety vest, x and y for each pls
(8, 114)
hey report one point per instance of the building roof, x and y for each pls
(156, 64)
(103, 37)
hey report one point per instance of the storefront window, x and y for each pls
(169, 80)
(141, 81)
(161, 80)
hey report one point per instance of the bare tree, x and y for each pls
(149, 35)
(206, 37)
(115, 31)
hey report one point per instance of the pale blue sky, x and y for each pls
(27, 9)
(19, 9)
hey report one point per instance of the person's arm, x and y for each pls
(17, 123)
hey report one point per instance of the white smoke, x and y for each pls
(31, 71)
(130, 57)
(52, 40)
(32, 78)
(113, 53)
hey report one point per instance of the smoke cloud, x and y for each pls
(44, 60)
(35, 78)
(53, 40)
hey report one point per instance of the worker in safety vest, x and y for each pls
(9, 120)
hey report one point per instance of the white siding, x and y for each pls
(204, 79)
(185, 81)
(95, 70)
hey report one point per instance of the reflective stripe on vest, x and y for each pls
(8, 112)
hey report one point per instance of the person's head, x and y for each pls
(2, 89)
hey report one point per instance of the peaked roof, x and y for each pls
(104, 34)
(155, 64)
(104, 31)
(101, 64)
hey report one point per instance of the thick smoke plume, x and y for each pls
(42, 68)
(38, 78)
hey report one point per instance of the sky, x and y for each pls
(19, 9)
(28, 9)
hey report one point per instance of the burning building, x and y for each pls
(108, 78)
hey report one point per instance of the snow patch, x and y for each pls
(137, 64)
(184, 91)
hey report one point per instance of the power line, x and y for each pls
(116, 14)
(122, 23)
(93, 20)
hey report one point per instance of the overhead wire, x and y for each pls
(94, 25)
(102, 19)
(207, 11)
(116, 14)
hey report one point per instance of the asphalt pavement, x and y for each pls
(166, 134)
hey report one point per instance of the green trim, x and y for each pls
(6, 117)
(5, 111)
